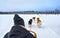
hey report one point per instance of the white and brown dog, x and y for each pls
(39, 22)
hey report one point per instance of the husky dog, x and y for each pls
(30, 22)
(33, 18)
(34, 21)
(39, 22)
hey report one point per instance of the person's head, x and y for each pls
(34, 18)
(18, 20)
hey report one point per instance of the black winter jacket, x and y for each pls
(18, 32)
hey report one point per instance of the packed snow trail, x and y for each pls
(44, 32)
(49, 29)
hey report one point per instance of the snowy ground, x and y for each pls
(50, 27)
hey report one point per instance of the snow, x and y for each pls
(50, 27)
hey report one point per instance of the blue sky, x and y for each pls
(29, 5)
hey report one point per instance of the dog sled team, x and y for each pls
(35, 21)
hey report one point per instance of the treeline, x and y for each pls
(31, 12)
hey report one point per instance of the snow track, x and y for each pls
(47, 29)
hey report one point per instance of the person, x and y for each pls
(18, 30)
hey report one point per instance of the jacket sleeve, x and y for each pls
(29, 36)
(16, 34)
(6, 35)
(19, 32)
